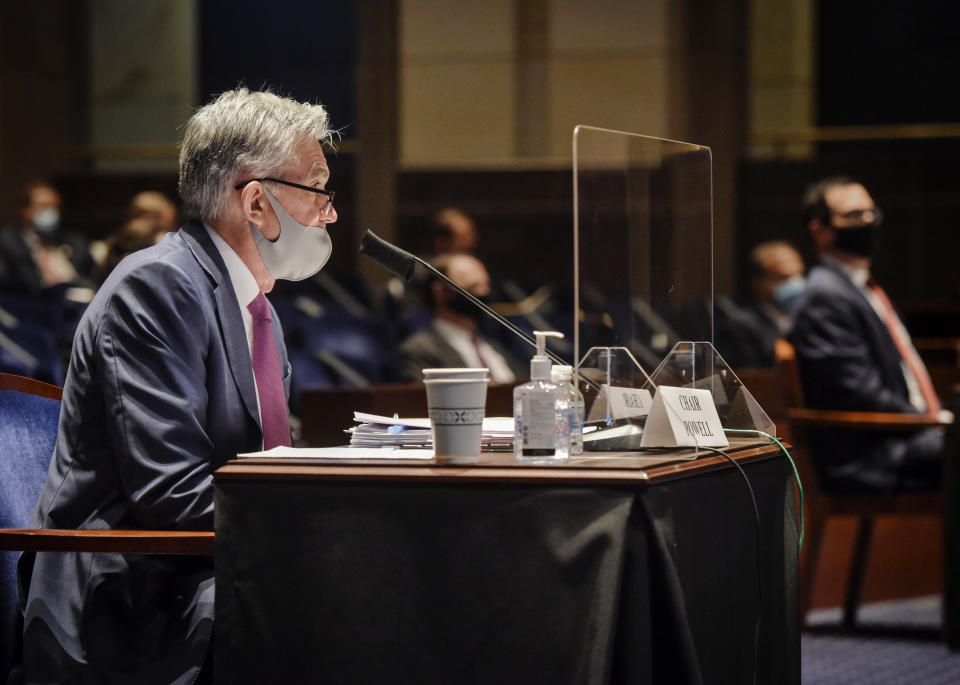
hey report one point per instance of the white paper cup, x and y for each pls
(456, 408)
(477, 372)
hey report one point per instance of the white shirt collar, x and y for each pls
(244, 284)
(462, 341)
(452, 330)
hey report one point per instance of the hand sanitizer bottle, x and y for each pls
(539, 428)
(562, 376)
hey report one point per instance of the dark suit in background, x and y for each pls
(19, 270)
(159, 394)
(745, 334)
(848, 361)
(429, 349)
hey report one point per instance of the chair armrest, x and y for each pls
(869, 420)
(197, 543)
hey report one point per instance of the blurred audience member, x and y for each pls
(450, 231)
(38, 253)
(453, 339)
(747, 330)
(453, 231)
(854, 352)
(136, 234)
(154, 206)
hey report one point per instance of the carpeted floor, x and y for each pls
(845, 660)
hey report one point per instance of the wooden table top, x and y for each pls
(624, 468)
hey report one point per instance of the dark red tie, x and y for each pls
(476, 346)
(266, 369)
(906, 350)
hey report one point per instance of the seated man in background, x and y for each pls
(178, 365)
(155, 206)
(453, 231)
(135, 234)
(854, 353)
(39, 253)
(453, 339)
(747, 331)
(449, 230)
(149, 214)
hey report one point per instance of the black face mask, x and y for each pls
(857, 240)
(465, 307)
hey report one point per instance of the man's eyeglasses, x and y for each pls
(862, 217)
(327, 208)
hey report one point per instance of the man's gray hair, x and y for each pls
(239, 136)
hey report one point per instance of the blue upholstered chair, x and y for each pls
(29, 412)
(29, 417)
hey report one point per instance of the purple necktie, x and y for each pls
(266, 369)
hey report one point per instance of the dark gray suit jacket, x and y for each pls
(428, 349)
(847, 360)
(159, 394)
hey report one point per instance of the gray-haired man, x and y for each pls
(177, 365)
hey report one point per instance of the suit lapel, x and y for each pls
(446, 352)
(883, 344)
(228, 314)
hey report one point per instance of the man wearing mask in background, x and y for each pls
(39, 252)
(454, 339)
(178, 365)
(854, 353)
(746, 332)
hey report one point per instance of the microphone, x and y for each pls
(402, 264)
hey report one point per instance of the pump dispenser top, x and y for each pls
(540, 364)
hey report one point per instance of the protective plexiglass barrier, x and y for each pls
(643, 243)
(643, 286)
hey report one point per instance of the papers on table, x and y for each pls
(384, 431)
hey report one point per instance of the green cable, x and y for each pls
(796, 474)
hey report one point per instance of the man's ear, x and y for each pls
(253, 202)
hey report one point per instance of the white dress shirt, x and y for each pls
(245, 287)
(461, 340)
(244, 284)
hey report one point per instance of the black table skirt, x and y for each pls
(374, 582)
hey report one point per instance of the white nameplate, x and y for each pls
(628, 403)
(683, 417)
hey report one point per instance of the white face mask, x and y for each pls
(46, 219)
(298, 252)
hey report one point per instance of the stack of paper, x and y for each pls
(384, 431)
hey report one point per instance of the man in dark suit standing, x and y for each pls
(854, 353)
(454, 339)
(177, 365)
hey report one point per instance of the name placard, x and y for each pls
(628, 403)
(618, 402)
(683, 417)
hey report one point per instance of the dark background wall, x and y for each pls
(888, 62)
(878, 63)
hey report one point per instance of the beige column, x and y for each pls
(782, 72)
(707, 96)
(531, 78)
(377, 113)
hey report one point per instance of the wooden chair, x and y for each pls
(29, 414)
(821, 505)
